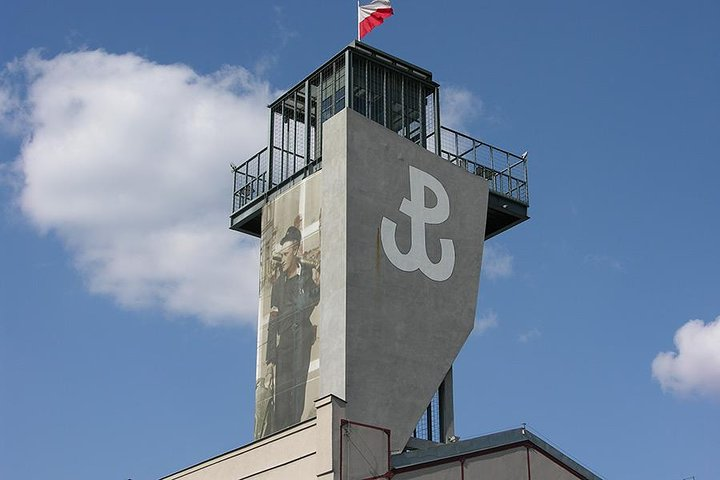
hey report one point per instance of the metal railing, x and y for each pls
(505, 172)
(250, 180)
(259, 175)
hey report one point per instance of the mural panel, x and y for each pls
(288, 366)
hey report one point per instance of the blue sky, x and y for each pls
(127, 307)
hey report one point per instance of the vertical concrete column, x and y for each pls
(333, 293)
(447, 409)
(330, 411)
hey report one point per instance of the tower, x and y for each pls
(356, 154)
(372, 218)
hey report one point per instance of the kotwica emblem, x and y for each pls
(420, 215)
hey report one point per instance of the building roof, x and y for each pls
(484, 445)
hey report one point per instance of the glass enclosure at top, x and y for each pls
(389, 91)
(385, 90)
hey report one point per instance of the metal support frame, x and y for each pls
(344, 423)
(438, 144)
(387, 73)
(271, 139)
(307, 121)
(348, 79)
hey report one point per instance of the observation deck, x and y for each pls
(391, 92)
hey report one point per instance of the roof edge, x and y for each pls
(484, 445)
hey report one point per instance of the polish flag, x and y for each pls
(372, 15)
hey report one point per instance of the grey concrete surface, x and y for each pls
(389, 335)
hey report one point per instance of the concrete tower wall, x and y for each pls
(394, 313)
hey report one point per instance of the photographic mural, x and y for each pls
(287, 359)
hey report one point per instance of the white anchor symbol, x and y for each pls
(420, 215)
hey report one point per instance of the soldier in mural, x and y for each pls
(290, 335)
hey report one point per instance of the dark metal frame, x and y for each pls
(381, 92)
(344, 424)
(296, 118)
(506, 172)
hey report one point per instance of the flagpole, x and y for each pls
(358, 23)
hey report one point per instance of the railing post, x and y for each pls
(527, 192)
(283, 151)
(294, 135)
(492, 167)
(348, 80)
(234, 189)
(457, 151)
(438, 142)
(271, 151)
(257, 177)
(306, 120)
(475, 147)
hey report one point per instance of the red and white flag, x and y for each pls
(372, 15)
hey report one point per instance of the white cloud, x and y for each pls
(127, 162)
(459, 106)
(529, 335)
(485, 322)
(497, 262)
(695, 367)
